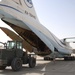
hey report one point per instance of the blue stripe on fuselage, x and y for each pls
(10, 7)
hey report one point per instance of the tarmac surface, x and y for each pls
(59, 67)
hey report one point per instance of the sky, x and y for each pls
(56, 15)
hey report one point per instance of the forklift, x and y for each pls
(12, 54)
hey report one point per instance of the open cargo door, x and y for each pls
(14, 36)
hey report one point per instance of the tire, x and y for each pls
(2, 67)
(69, 58)
(48, 58)
(16, 64)
(32, 62)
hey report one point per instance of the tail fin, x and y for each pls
(29, 8)
(28, 5)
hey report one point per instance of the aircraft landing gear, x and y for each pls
(48, 58)
(70, 58)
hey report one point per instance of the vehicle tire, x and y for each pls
(16, 64)
(2, 67)
(32, 62)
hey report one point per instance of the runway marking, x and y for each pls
(44, 69)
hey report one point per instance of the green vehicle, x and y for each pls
(13, 55)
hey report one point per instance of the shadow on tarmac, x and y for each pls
(59, 67)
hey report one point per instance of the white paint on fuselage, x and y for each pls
(17, 16)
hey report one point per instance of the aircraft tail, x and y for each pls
(29, 8)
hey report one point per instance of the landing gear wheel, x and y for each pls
(16, 64)
(32, 62)
(71, 58)
(48, 58)
(2, 67)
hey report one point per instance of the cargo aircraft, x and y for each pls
(21, 17)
